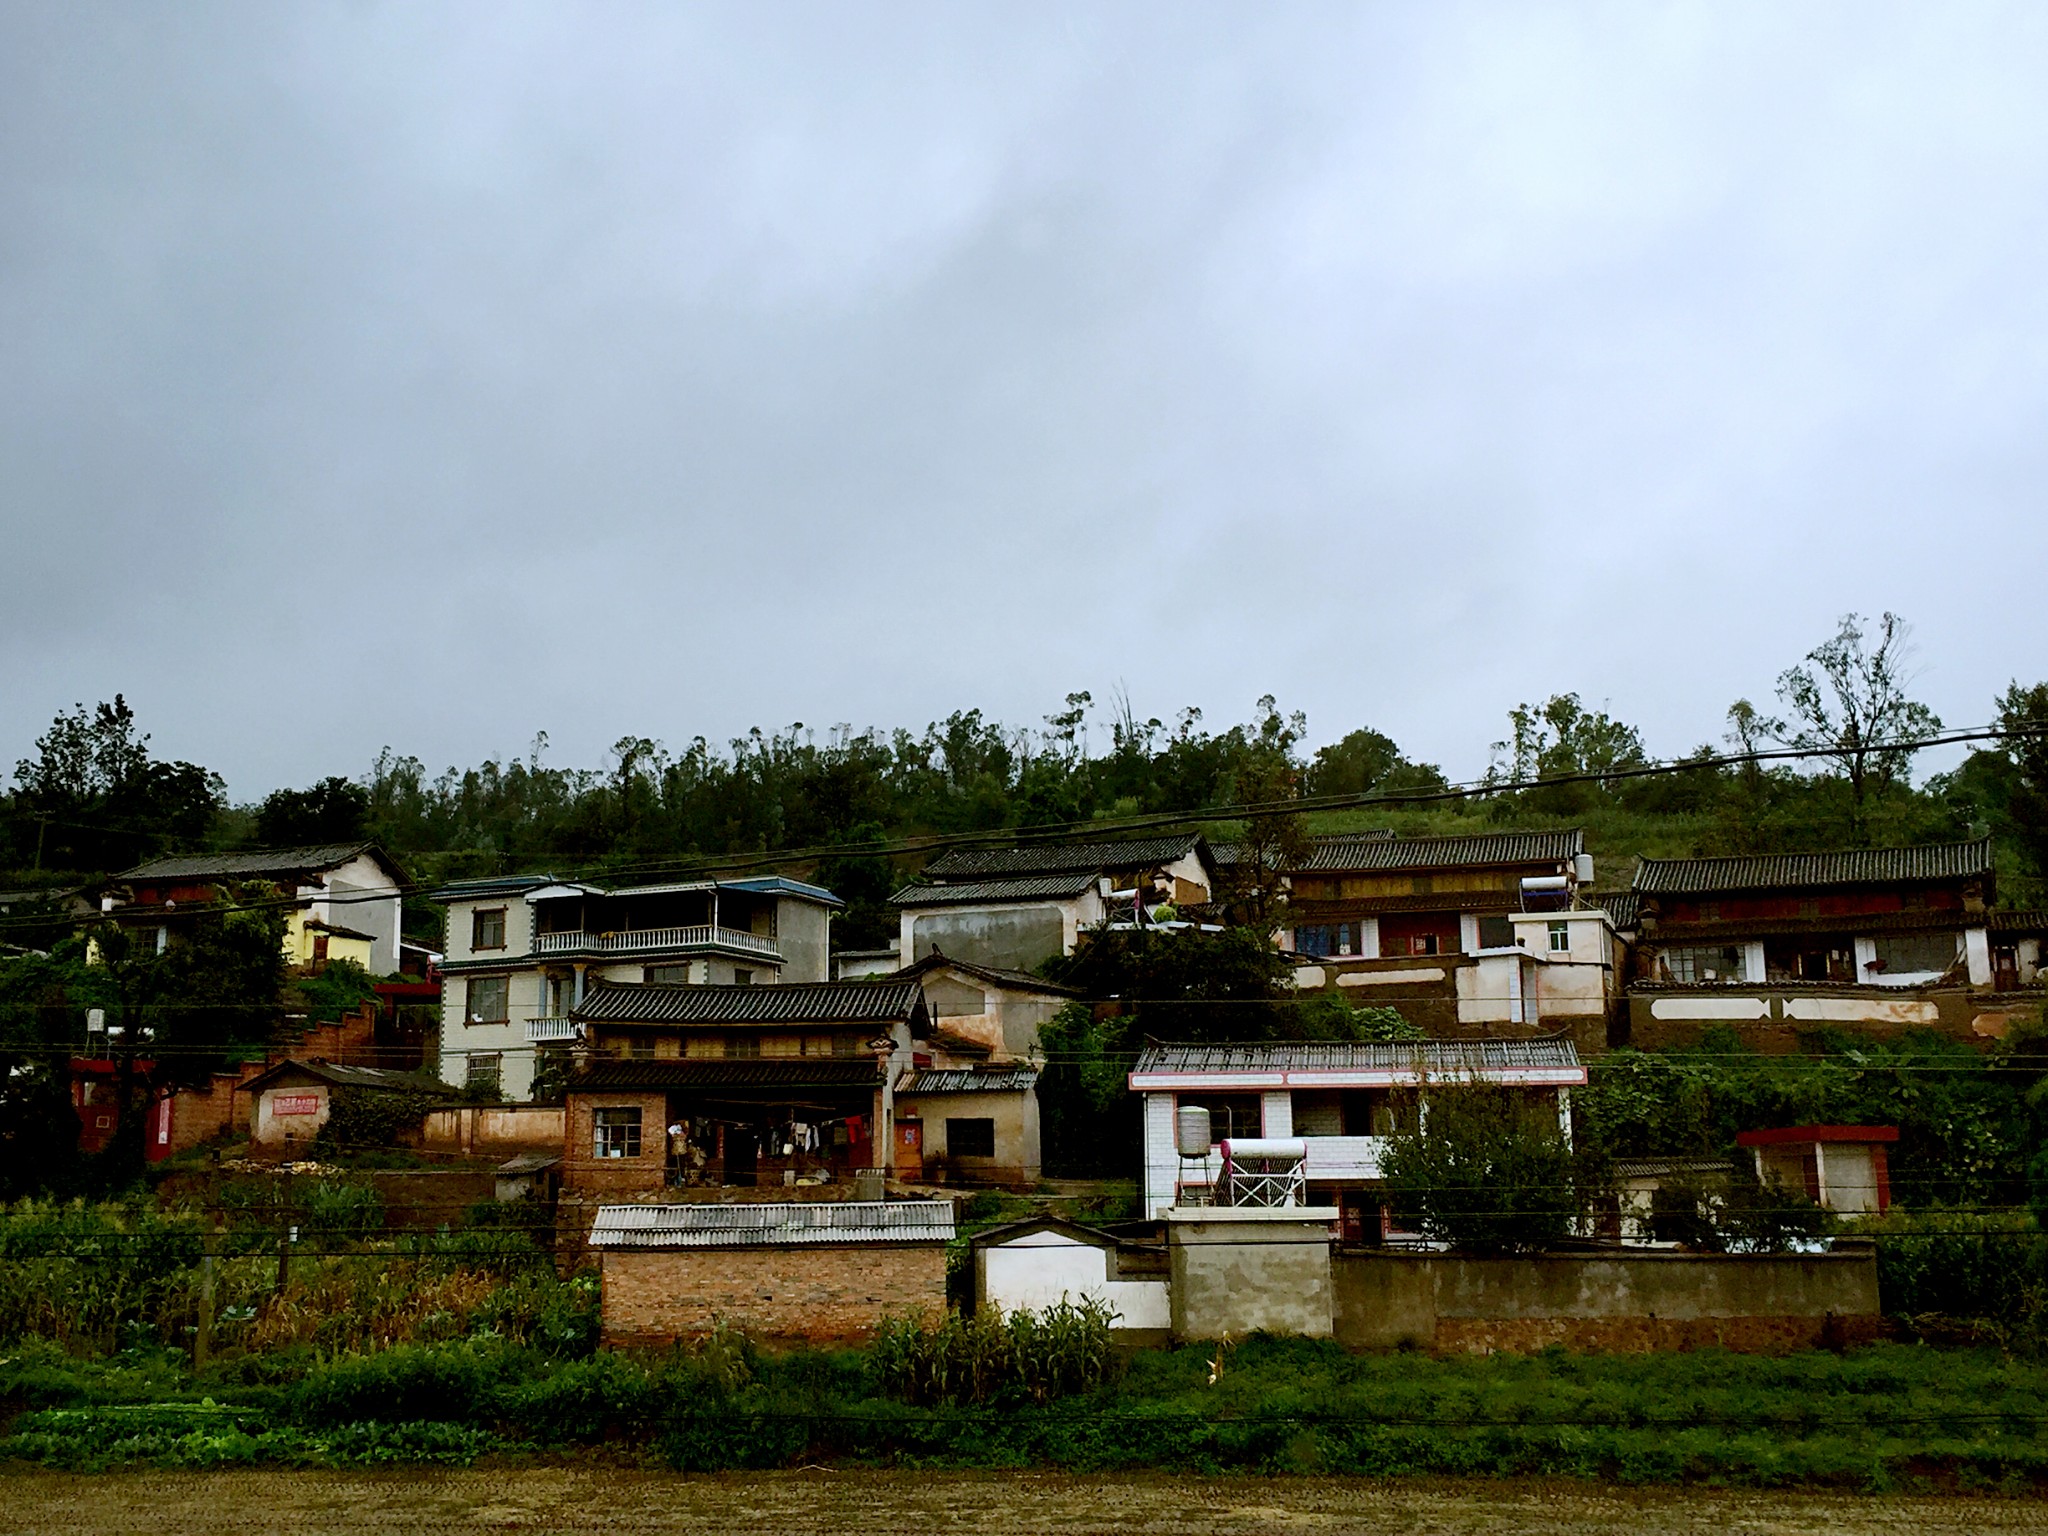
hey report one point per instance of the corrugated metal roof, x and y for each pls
(799, 1002)
(645, 1074)
(1797, 871)
(1480, 1056)
(1374, 851)
(973, 892)
(833, 1223)
(969, 1080)
(257, 862)
(1666, 1167)
(1061, 858)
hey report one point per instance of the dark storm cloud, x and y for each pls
(436, 375)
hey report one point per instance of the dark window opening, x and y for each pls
(970, 1138)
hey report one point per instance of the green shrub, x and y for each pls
(1960, 1264)
(1737, 1214)
(454, 1383)
(584, 1401)
(374, 1118)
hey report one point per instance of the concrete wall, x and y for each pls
(803, 933)
(823, 1293)
(1776, 1019)
(526, 997)
(1240, 1271)
(273, 1130)
(1017, 937)
(1630, 1301)
(485, 1129)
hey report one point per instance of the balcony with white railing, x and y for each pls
(640, 941)
(1343, 1159)
(545, 1031)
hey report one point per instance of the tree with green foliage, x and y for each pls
(1848, 700)
(2023, 714)
(93, 798)
(1485, 1171)
(335, 810)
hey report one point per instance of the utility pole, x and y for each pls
(285, 1234)
(202, 1339)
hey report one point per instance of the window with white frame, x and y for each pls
(485, 1072)
(615, 1132)
(1560, 938)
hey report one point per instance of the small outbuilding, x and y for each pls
(290, 1102)
(1045, 1260)
(829, 1270)
(1840, 1168)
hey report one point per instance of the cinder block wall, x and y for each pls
(823, 1293)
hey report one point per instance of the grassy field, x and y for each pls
(579, 1500)
(1884, 1419)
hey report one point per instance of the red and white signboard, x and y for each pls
(295, 1103)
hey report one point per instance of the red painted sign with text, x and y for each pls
(295, 1104)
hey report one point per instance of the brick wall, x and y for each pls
(615, 1176)
(839, 1293)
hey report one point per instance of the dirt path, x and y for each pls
(881, 1503)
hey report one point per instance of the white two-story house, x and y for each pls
(523, 950)
(1341, 1099)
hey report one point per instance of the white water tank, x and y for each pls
(1582, 868)
(1191, 1131)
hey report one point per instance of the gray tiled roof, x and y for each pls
(834, 1223)
(1061, 858)
(1623, 907)
(1227, 855)
(1794, 871)
(967, 893)
(336, 1075)
(250, 865)
(1373, 851)
(995, 975)
(644, 1074)
(1347, 1056)
(969, 1080)
(807, 1002)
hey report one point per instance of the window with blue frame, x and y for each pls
(1326, 939)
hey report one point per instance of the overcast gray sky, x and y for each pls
(435, 374)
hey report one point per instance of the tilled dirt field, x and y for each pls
(874, 1503)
